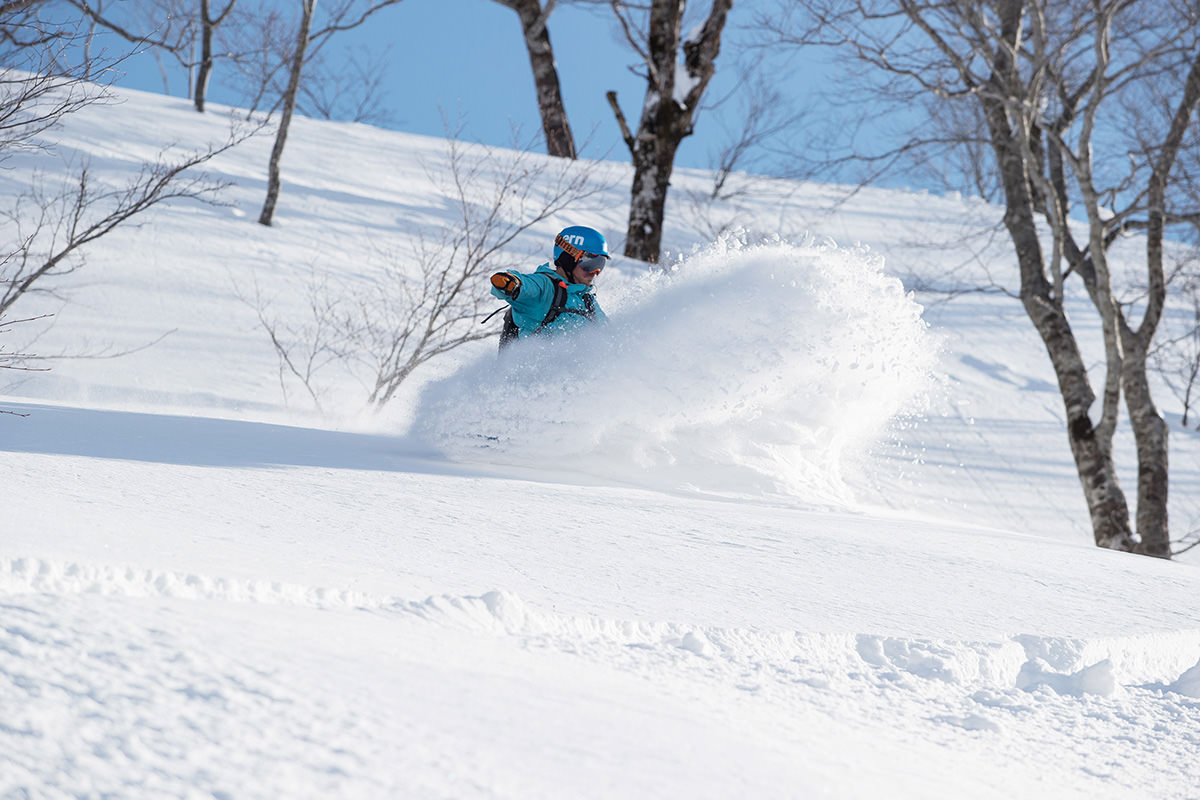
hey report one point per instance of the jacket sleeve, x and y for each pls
(496, 292)
(537, 293)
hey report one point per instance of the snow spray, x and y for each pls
(748, 369)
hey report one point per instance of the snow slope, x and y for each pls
(783, 530)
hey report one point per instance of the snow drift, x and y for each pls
(748, 369)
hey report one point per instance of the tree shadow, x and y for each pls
(205, 441)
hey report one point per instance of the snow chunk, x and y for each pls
(1188, 683)
(1098, 679)
(697, 643)
(684, 83)
(951, 662)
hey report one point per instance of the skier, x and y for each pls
(559, 298)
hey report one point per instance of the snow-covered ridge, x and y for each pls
(1068, 666)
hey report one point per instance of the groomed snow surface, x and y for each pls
(784, 529)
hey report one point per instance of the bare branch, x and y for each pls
(13, 360)
(429, 303)
(625, 132)
(52, 228)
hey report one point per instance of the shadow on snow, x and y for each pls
(203, 441)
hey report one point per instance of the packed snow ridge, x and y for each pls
(1065, 665)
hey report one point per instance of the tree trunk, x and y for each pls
(1149, 428)
(653, 163)
(206, 57)
(659, 126)
(667, 117)
(559, 140)
(285, 120)
(1094, 464)
(1150, 433)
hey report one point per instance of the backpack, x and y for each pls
(511, 332)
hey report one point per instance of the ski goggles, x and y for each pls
(591, 263)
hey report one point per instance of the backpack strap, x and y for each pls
(557, 306)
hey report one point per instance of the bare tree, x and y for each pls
(208, 26)
(430, 304)
(763, 115)
(277, 57)
(1051, 82)
(559, 140)
(38, 84)
(46, 229)
(350, 88)
(669, 108)
(172, 27)
(346, 15)
(305, 348)
(760, 113)
(289, 107)
(1149, 428)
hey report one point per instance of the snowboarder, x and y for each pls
(554, 298)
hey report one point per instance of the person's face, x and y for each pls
(587, 269)
(580, 275)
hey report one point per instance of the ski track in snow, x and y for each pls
(1020, 692)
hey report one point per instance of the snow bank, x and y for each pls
(1068, 666)
(749, 369)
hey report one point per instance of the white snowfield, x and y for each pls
(782, 530)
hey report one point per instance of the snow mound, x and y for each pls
(1188, 683)
(750, 369)
(1096, 679)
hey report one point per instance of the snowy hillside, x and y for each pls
(784, 529)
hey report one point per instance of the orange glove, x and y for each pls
(507, 283)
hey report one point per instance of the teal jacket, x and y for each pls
(533, 302)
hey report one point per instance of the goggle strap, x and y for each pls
(568, 248)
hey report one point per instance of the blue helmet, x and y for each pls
(580, 238)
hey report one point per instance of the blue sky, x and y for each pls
(468, 57)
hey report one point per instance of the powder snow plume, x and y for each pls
(753, 369)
